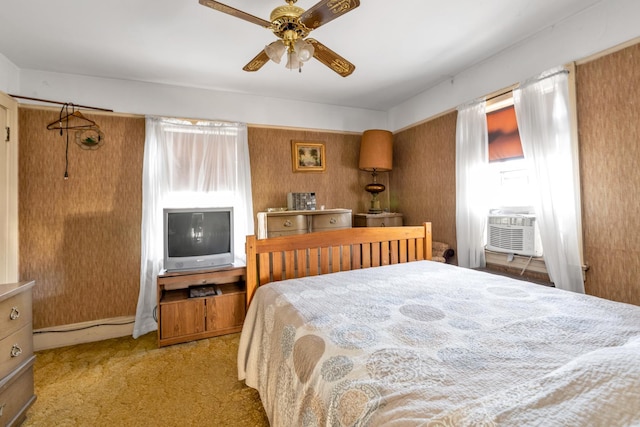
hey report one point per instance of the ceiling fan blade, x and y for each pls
(326, 11)
(331, 59)
(235, 12)
(256, 63)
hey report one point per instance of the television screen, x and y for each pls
(197, 238)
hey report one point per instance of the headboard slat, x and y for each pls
(301, 257)
(324, 260)
(313, 262)
(395, 258)
(375, 254)
(335, 258)
(265, 268)
(419, 248)
(384, 253)
(411, 250)
(365, 249)
(403, 250)
(345, 262)
(289, 264)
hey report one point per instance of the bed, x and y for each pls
(359, 327)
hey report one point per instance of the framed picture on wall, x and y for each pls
(308, 156)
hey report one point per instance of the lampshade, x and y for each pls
(376, 150)
(304, 50)
(298, 52)
(293, 62)
(376, 155)
(275, 51)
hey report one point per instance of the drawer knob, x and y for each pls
(287, 223)
(333, 220)
(15, 313)
(16, 350)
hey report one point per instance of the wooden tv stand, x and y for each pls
(182, 319)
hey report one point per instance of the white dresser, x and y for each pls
(16, 352)
(285, 223)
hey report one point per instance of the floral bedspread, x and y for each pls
(431, 344)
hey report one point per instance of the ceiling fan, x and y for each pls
(292, 24)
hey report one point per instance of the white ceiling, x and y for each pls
(399, 48)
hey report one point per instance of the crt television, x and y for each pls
(198, 238)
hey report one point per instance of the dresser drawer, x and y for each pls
(384, 222)
(330, 221)
(292, 224)
(15, 312)
(285, 233)
(15, 349)
(16, 394)
(385, 219)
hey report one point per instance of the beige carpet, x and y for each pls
(127, 382)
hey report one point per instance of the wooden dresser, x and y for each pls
(286, 223)
(16, 352)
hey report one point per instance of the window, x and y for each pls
(509, 181)
(510, 187)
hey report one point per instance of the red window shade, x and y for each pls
(504, 138)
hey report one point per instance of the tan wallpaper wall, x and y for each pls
(80, 238)
(608, 97)
(424, 181)
(272, 176)
(608, 94)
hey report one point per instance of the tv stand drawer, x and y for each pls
(184, 279)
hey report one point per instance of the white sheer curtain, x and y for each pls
(472, 161)
(203, 164)
(542, 112)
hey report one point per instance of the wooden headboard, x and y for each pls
(280, 258)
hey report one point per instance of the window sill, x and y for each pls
(533, 267)
(519, 262)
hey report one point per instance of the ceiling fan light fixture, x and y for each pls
(293, 62)
(275, 50)
(304, 50)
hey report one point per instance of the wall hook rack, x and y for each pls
(88, 133)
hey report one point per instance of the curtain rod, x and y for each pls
(537, 78)
(500, 94)
(61, 103)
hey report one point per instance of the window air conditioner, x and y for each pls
(514, 234)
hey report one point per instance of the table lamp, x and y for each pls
(376, 155)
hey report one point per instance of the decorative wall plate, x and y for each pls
(90, 139)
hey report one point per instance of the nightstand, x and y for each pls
(384, 219)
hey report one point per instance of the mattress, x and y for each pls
(426, 343)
